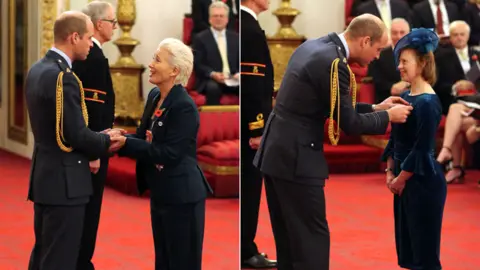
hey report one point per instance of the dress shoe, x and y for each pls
(259, 261)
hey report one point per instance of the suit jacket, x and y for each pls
(472, 17)
(94, 73)
(422, 15)
(292, 144)
(58, 177)
(449, 71)
(208, 59)
(201, 15)
(399, 9)
(256, 78)
(174, 146)
(355, 5)
(384, 74)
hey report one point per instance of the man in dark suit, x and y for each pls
(216, 56)
(94, 73)
(200, 15)
(257, 91)
(291, 152)
(425, 14)
(60, 181)
(454, 63)
(387, 10)
(383, 70)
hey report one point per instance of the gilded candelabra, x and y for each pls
(285, 41)
(126, 72)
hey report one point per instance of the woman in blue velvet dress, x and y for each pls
(413, 175)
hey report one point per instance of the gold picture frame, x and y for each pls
(17, 69)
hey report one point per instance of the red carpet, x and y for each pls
(124, 240)
(359, 212)
(360, 215)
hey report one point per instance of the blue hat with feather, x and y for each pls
(422, 40)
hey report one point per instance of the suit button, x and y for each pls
(79, 162)
(312, 144)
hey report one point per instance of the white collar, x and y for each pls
(246, 9)
(64, 55)
(345, 44)
(218, 33)
(97, 42)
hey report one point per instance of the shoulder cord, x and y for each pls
(59, 111)
(334, 135)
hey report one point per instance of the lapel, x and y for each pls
(428, 14)
(373, 7)
(457, 64)
(230, 49)
(471, 53)
(214, 45)
(167, 103)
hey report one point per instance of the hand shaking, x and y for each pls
(94, 166)
(149, 136)
(114, 132)
(255, 142)
(117, 142)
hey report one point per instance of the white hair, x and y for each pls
(218, 4)
(453, 25)
(97, 10)
(181, 57)
(400, 20)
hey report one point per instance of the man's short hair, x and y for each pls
(366, 25)
(68, 23)
(218, 4)
(96, 10)
(453, 25)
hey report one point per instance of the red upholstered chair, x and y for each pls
(218, 148)
(198, 98)
(359, 71)
(229, 100)
(351, 155)
(348, 11)
(366, 91)
(187, 29)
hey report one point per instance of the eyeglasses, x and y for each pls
(113, 21)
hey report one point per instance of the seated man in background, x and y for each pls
(216, 52)
(383, 71)
(201, 16)
(455, 62)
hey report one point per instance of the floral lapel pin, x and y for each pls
(474, 57)
(159, 112)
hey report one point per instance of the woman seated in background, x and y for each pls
(460, 122)
(413, 175)
(165, 146)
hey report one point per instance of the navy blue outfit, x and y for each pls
(419, 210)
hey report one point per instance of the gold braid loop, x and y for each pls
(59, 111)
(334, 135)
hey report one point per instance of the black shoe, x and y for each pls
(259, 261)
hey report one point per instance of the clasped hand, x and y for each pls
(117, 141)
(394, 184)
(117, 138)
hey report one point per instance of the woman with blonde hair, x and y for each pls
(413, 174)
(165, 146)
